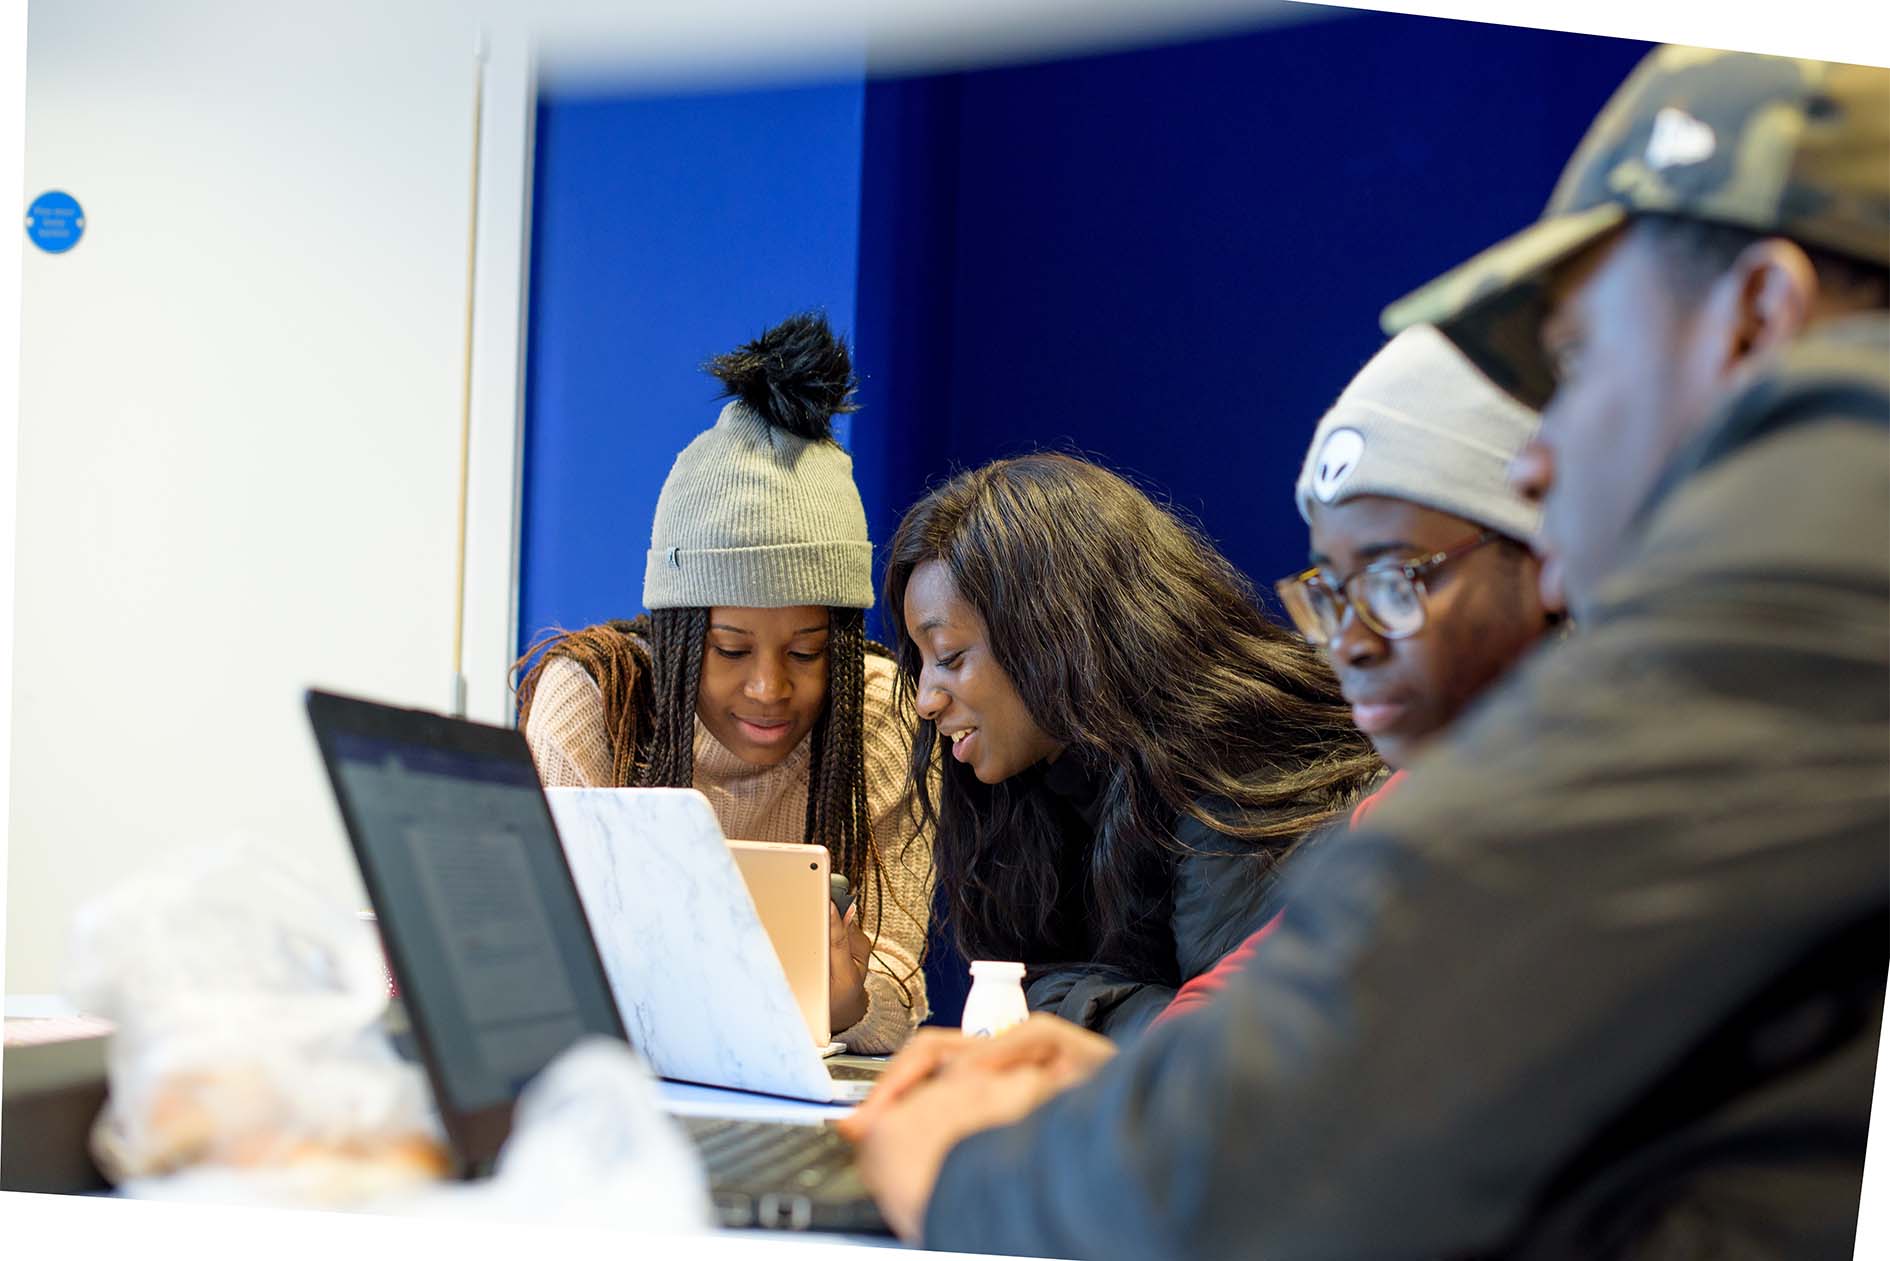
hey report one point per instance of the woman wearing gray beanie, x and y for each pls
(751, 679)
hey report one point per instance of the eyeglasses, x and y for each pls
(1388, 595)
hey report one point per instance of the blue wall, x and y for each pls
(665, 230)
(1173, 259)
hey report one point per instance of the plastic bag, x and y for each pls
(250, 1066)
(248, 1034)
(590, 1146)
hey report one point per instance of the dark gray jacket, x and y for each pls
(1606, 977)
(1215, 890)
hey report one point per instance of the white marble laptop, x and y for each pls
(701, 991)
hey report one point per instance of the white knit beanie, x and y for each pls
(761, 511)
(1422, 424)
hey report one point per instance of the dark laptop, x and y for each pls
(494, 957)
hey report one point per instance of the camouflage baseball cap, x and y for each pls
(1796, 148)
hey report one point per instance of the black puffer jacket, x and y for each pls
(1213, 891)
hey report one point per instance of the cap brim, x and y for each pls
(1492, 306)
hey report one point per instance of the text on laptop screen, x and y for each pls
(479, 908)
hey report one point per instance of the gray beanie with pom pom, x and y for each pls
(761, 510)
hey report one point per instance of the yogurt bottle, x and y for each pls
(996, 1001)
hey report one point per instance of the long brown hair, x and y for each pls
(1143, 651)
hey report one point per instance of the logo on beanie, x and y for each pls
(1337, 460)
(1679, 139)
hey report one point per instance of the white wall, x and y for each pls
(240, 422)
(498, 379)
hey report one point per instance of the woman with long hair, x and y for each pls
(1129, 746)
(751, 678)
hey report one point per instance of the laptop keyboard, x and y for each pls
(854, 1072)
(802, 1159)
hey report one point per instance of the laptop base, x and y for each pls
(779, 1176)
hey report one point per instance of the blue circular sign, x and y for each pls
(55, 222)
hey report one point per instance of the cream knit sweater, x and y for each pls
(565, 729)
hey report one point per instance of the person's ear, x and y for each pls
(1770, 293)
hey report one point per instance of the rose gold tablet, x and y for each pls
(789, 885)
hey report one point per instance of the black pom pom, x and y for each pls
(797, 376)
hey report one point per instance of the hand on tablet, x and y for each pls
(848, 949)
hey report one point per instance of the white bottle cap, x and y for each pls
(997, 969)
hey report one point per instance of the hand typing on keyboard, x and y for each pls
(1066, 1053)
(944, 1087)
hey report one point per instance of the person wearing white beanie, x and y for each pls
(1422, 588)
(752, 679)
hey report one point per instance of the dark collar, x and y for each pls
(1072, 778)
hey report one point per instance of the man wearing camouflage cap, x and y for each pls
(1720, 206)
(1606, 978)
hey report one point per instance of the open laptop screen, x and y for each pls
(489, 940)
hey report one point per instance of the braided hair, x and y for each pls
(796, 377)
(650, 671)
